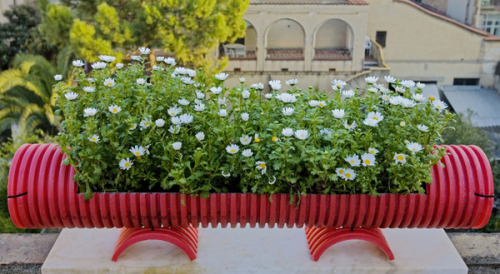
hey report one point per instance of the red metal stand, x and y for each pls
(185, 238)
(320, 239)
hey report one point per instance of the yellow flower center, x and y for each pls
(341, 171)
(257, 140)
(275, 139)
(115, 110)
(352, 161)
(400, 157)
(320, 104)
(367, 161)
(338, 86)
(432, 98)
(137, 153)
(146, 124)
(94, 139)
(109, 84)
(262, 166)
(127, 164)
(246, 140)
(233, 151)
(372, 151)
(375, 118)
(348, 175)
(172, 113)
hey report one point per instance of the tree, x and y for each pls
(190, 30)
(26, 98)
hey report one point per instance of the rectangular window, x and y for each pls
(465, 81)
(491, 23)
(380, 38)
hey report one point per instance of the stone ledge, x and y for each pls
(478, 250)
(25, 249)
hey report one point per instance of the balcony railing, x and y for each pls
(285, 54)
(239, 52)
(330, 54)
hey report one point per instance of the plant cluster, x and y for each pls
(166, 128)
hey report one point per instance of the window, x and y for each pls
(465, 81)
(380, 38)
(491, 23)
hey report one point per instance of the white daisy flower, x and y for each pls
(98, 65)
(371, 123)
(337, 85)
(92, 80)
(222, 101)
(275, 139)
(186, 118)
(183, 102)
(420, 85)
(414, 147)
(372, 150)
(247, 153)
(245, 139)
(376, 116)
(160, 58)
(177, 145)
(94, 138)
(423, 128)
(232, 149)
(223, 113)
(313, 103)
(107, 58)
(257, 86)
(353, 160)
(216, 90)
(138, 151)
(326, 131)
(287, 111)
(396, 100)
(350, 126)
(408, 103)
(109, 82)
(245, 116)
(271, 182)
(78, 63)
(174, 129)
(407, 83)
(371, 79)
(199, 107)
(372, 89)
(221, 76)
(256, 138)
(400, 89)
(291, 82)
(261, 166)
(174, 111)
(418, 97)
(160, 122)
(225, 174)
(268, 95)
(338, 113)
(114, 109)
(348, 93)
(89, 89)
(242, 80)
(340, 172)
(245, 94)
(132, 126)
(176, 120)
(187, 80)
(275, 84)
(125, 164)
(136, 58)
(301, 134)
(400, 158)
(390, 79)
(286, 97)
(71, 95)
(385, 97)
(89, 112)
(200, 136)
(368, 159)
(144, 50)
(200, 95)
(119, 65)
(169, 61)
(58, 77)
(439, 105)
(349, 174)
(287, 132)
(140, 81)
(321, 104)
(144, 124)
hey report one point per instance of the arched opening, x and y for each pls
(243, 48)
(285, 41)
(334, 41)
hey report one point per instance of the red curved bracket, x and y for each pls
(184, 238)
(320, 239)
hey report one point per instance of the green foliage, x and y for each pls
(191, 30)
(18, 33)
(7, 150)
(26, 97)
(174, 130)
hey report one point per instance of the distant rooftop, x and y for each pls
(485, 103)
(308, 2)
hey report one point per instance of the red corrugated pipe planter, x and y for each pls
(42, 194)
